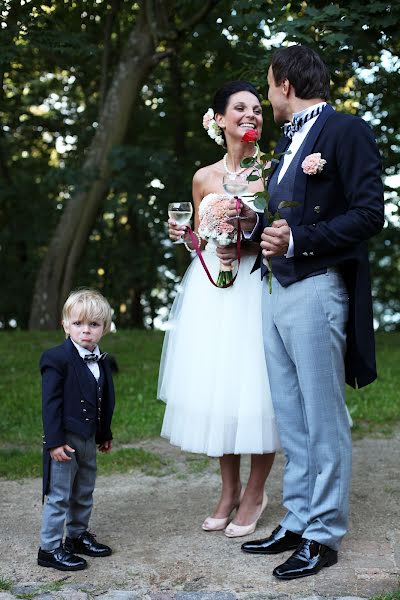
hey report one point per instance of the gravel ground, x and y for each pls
(160, 551)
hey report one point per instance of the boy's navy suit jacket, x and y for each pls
(337, 211)
(69, 402)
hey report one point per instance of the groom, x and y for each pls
(317, 322)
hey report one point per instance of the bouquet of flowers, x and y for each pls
(214, 225)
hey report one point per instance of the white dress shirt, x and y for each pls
(297, 140)
(92, 365)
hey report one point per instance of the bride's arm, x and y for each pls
(175, 231)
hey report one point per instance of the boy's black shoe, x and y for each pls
(86, 544)
(61, 559)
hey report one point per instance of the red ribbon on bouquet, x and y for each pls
(198, 252)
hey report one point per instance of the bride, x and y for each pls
(213, 376)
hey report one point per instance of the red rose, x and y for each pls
(251, 135)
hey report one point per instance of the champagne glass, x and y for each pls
(181, 213)
(235, 185)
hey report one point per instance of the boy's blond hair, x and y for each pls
(94, 307)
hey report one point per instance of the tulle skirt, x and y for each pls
(213, 375)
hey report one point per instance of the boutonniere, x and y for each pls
(313, 164)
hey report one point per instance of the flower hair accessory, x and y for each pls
(212, 128)
(313, 164)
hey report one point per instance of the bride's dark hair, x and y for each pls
(221, 98)
(222, 95)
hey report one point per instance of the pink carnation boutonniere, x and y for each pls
(313, 164)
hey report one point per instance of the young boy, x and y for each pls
(77, 406)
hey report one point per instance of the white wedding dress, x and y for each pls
(213, 375)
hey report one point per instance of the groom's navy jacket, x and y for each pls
(69, 400)
(338, 210)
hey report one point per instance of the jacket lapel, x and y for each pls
(108, 378)
(281, 146)
(81, 371)
(300, 183)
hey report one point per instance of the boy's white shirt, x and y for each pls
(92, 366)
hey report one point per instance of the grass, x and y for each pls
(374, 409)
(5, 584)
(390, 596)
(47, 588)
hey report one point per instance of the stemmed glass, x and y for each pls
(235, 185)
(181, 213)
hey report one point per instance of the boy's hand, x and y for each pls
(105, 446)
(58, 454)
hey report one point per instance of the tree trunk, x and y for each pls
(55, 276)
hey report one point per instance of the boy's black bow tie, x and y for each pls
(93, 357)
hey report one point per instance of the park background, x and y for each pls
(101, 111)
(101, 127)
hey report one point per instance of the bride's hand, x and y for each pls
(227, 254)
(248, 215)
(175, 231)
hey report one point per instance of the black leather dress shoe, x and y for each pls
(309, 558)
(281, 539)
(61, 559)
(86, 544)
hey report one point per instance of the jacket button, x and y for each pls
(87, 419)
(305, 253)
(317, 209)
(84, 410)
(82, 401)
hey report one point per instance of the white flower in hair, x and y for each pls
(212, 127)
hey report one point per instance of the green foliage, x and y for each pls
(16, 463)
(56, 63)
(390, 596)
(138, 414)
(5, 584)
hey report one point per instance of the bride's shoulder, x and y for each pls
(209, 171)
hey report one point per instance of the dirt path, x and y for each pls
(153, 525)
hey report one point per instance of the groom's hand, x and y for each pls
(275, 239)
(250, 220)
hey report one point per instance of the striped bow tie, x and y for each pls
(93, 357)
(290, 128)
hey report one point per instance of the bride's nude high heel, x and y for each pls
(239, 530)
(212, 524)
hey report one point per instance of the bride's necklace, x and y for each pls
(225, 161)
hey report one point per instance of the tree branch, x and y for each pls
(159, 56)
(197, 17)
(110, 18)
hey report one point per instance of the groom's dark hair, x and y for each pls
(304, 69)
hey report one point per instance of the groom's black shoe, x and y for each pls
(309, 558)
(280, 540)
(86, 544)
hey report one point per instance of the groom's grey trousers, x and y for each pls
(304, 337)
